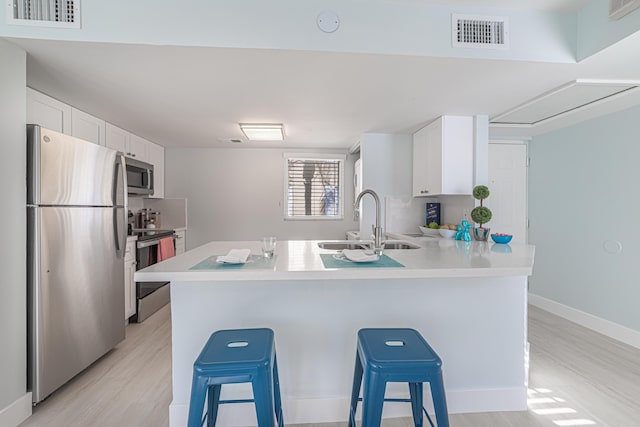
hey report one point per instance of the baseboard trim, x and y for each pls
(16, 412)
(336, 409)
(605, 327)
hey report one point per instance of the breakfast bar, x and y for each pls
(467, 299)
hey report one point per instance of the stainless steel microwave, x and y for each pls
(139, 178)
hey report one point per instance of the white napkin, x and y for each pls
(358, 255)
(235, 256)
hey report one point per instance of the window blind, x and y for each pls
(314, 188)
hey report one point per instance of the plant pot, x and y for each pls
(481, 234)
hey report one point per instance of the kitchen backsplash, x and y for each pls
(404, 214)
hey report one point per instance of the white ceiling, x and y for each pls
(554, 5)
(196, 96)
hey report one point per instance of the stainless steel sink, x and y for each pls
(350, 244)
(340, 245)
(400, 245)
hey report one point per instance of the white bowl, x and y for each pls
(447, 234)
(429, 231)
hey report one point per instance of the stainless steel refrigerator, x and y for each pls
(76, 238)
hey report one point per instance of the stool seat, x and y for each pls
(237, 356)
(395, 355)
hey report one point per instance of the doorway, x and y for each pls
(508, 184)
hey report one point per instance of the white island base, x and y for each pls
(476, 324)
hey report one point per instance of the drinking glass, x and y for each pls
(268, 246)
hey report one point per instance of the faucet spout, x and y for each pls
(377, 230)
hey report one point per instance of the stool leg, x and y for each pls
(355, 391)
(196, 403)
(415, 390)
(262, 386)
(373, 389)
(276, 393)
(439, 400)
(213, 402)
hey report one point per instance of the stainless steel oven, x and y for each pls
(150, 296)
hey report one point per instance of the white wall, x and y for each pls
(237, 194)
(583, 203)
(596, 32)
(13, 358)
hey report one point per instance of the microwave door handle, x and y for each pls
(150, 183)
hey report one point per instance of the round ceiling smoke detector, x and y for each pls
(328, 21)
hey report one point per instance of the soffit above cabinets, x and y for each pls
(571, 97)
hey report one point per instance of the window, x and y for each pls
(314, 186)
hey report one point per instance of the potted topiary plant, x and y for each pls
(481, 214)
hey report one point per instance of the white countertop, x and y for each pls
(300, 260)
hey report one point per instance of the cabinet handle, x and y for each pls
(178, 237)
(133, 155)
(424, 191)
(128, 154)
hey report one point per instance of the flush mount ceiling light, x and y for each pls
(263, 131)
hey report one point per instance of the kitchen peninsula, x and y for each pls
(468, 299)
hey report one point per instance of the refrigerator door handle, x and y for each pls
(120, 236)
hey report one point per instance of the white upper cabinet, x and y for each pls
(117, 139)
(138, 148)
(156, 158)
(443, 157)
(87, 127)
(131, 145)
(48, 112)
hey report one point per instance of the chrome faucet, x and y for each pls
(377, 230)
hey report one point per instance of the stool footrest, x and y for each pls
(236, 401)
(352, 414)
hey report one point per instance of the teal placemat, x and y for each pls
(253, 262)
(330, 261)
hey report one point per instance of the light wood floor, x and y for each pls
(571, 369)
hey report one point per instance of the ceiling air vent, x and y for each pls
(44, 13)
(480, 31)
(620, 8)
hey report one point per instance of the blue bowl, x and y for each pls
(501, 239)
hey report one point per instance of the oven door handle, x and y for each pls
(147, 243)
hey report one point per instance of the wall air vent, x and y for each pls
(620, 8)
(44, 13)
(480, 31)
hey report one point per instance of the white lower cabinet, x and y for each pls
(181, 241)
(129, 283)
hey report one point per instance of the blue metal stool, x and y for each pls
(396, 355)
(237, 356)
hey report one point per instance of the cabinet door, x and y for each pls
(433, 160)
(116, 138)
(138, 148)
(48, 112)
(456, 155)
(129, 283)
(156, 158)
(181, 241)
(87, 127)
(419, 163)
(427, 153)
